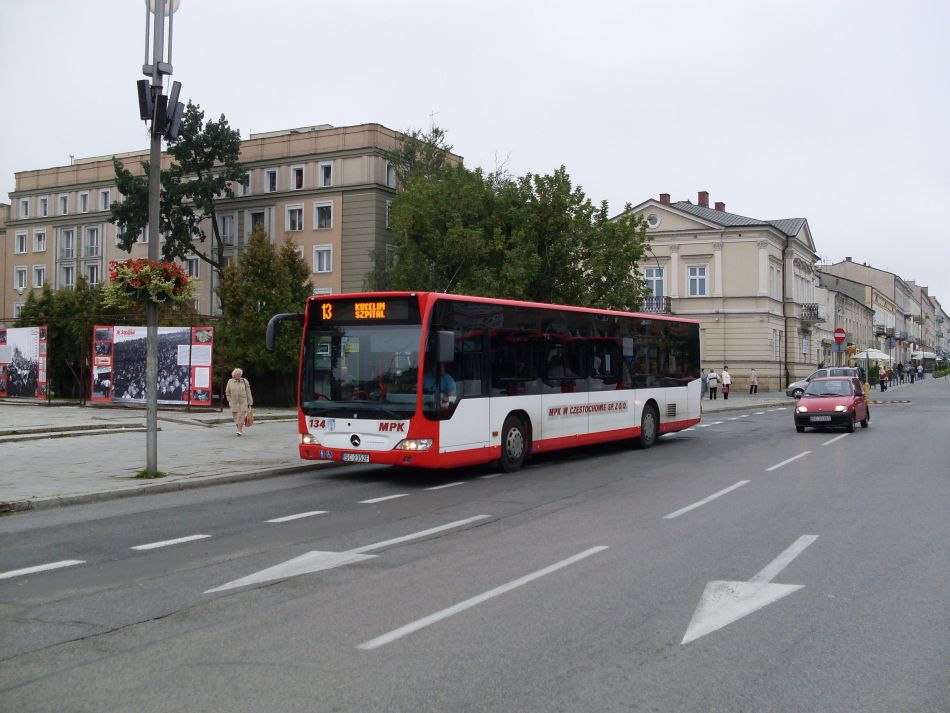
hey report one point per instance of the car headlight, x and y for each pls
(840, 408)
(802, 409)
(414, 444)
(308, 439)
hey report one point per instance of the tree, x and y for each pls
(267, 281)
(532, 238)
(204, 167)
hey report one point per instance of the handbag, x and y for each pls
(249, 417)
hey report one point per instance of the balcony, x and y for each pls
(657, 305)
(814, 312)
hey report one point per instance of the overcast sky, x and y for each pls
(838, 112)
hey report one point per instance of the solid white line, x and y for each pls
(772, 569)
(447, 485)
(705, 500)
(288, 518)
(469, 603)
(786, 462)
(417, 535)
(836, 438)
(39, 568)
(166, 543)
(379, 500)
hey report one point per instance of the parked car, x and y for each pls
(797, 388)
(832, 401)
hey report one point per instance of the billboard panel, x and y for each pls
(184, 364)
(23, 360)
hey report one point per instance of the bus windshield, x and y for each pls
(361, 371)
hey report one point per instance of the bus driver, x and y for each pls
(445, 385)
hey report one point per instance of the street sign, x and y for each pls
(840, 335)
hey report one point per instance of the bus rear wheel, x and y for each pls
(649, 426)
(513, 444)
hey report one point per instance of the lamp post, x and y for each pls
(154, 107)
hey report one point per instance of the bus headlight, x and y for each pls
(414, 444)
(308, 439)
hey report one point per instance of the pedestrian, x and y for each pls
(713, 382)
(882, 378)
(900, 372)
(238, 395)
(920, 371)
(726, 382)
(753, 382)
(705, 387)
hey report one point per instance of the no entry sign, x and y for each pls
(840, 335)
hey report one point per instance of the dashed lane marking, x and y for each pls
(168, 543)
(382, 499)
(298, 516)
(39, 568)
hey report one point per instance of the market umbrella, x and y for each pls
(872, 355)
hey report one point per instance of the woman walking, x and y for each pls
(238, 394)
(753, 382)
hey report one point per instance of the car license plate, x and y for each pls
(355, 458)
(817, 419)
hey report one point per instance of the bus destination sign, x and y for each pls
(354, 311)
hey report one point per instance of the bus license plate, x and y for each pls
(816, 419)
(355, 458)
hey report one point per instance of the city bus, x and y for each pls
(441, 381)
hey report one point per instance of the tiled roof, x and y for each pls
(788, 226)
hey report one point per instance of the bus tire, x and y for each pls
(513, 444)
(649, 426)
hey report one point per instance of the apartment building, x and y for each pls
(749, 282)
(328, 188)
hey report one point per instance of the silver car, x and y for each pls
(797, 388)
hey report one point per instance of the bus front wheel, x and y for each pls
(513, 444)
(649, 427)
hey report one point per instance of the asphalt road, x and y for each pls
(738, 566)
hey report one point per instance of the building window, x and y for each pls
(92, 275)
(39, 241)
(39, 275)
(19, 246)
(143, 236)
(17, 310)
(83, 202)
(390, 175)
(295, 218)
(323, 258)
(246, 185)
(193, 265)
(389, 209)
(24, 207)
(19, 278)
(67, 244)
(271, 180)
(299, 251)
(326, 174)
(226, 226)
(92, 242)
(697, 280)
(67, 276)
(323, 216)
(64, 204)
(44, 206)
(654, 280)
(105, 199)
(297, 177)
(258, 222)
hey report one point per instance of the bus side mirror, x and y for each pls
(270, 338)
(446, 346)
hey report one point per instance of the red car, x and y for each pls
(833, 401)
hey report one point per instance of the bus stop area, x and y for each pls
(56, 455)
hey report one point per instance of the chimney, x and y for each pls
(665, 198)
(704, 199)
(720, 206)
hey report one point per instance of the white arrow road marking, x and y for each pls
(317, 561)
(725, 602)
(40, 568)
(474, 601)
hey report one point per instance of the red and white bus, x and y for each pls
(438, 381)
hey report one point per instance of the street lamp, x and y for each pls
(166, 120)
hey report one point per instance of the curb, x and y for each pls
(16, 506)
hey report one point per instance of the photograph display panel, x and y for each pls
(184, 364)
(23, 362)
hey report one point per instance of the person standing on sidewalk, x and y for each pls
(920, 371)
(726, 382)
(753, 382)
(712, 381)
(705, 386)
(238, 394)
